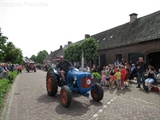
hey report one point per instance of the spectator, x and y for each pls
(19, 68)
(123, 61)
(112, 72)
(123, 73)
(93, 69)
(103, 79)
(108, 76)
(117, 76)
(53, 65)
(117, 63)
(133, 72)
(151, 75)
(3, 72)
(141, 68)
(87, 69)
(98, 69)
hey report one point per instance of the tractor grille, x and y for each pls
(84, 82)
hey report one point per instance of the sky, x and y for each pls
(36, 25)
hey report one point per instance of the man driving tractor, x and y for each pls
(63, 67)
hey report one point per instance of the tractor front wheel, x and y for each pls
(66, 96)
(97, 92)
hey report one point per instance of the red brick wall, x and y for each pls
(143, 48)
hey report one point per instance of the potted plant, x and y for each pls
(96, 77)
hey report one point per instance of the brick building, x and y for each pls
(138, 37)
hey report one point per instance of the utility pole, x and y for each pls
(82, 62)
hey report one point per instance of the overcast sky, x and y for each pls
(35, 25)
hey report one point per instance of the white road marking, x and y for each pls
(95, 115)
(100, 110)
(109, 103)
(104, 106)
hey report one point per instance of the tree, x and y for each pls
(41, 56)
(88, 46)
(8, 51)
(12, 54)
(34, 58)
(3, 40)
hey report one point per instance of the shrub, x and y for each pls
(96, 75)
(5, 85)
(12, 76)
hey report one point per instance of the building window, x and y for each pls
(119, 57)
(133, 57)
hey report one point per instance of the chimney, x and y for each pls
(61, 47)
(69, 42)
(87, 36)
(133, 17)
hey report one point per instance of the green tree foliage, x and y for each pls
(88, 46)
(8, 52)
(70, 53)
(12, 54)
(3, 40)
(41, 56)
(34, 58)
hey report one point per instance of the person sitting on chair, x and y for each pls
(150, 78)
(63, 67)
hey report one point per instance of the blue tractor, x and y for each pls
(76, 81)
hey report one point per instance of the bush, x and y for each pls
(96, 75)
(12, 76)
(5, 85)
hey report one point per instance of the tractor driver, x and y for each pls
(63, 67)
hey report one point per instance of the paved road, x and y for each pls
(28, 100)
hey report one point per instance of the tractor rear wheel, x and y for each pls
(66, 96)
(97, 92)
(51, 83)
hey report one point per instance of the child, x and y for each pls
(103, 79)
(107, 76)
(122, 75)
(118, 78)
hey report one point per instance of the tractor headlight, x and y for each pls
(88, 82)
(75, 78)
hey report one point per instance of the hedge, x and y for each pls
(5, 85)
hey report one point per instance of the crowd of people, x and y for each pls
(5, 68)
(122, 71)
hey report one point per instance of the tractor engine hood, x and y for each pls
(79, 74)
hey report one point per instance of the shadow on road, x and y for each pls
(77, 108)
(47, 99)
